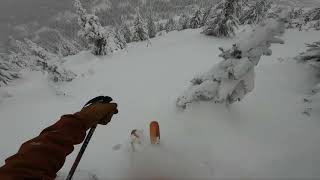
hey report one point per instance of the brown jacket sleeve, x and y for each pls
(42, 157)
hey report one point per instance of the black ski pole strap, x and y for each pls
(103, 99)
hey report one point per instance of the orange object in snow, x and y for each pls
(154, 132)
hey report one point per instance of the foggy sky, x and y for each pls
(14, 12)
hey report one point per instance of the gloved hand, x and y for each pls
(98, 113)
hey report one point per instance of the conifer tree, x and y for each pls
(91, 30)
(161, 26)
(140, 32)
(313, 14)
(20, 56)
(206, 15)
(28, 54)
(312, 55)
(40, 52)
(120, 39)
(316, 25)
(48, 62)
(256, 13)
(7, 72)
(295, 13)
(195, 21)
(184, 22)
(170, 25)
(152, 28)
(56, 42)
(125, 30)
(223, 21)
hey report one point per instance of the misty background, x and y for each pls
(19, 18)
(38, 12)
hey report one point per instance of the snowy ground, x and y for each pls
(265, 136)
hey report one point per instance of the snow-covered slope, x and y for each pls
(264, 136)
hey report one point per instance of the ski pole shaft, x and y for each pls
(102, 99)
(81, 152)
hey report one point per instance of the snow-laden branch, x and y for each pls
(232, 78)
(312, 55)
(7, 72)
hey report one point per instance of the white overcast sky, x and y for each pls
(14, 12)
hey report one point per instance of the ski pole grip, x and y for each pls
(103, 99)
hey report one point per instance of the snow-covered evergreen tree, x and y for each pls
(316, 25)
(16, 60)
(125, 30)
(295, 18)
(275, 11)
(195, 21)
(313, 15)
(296, 13)
(22, 48)
(49, 63)
(56, 73)
(40, 52)
(206, 15)
(91, 30)
(223, 22)
(170, 25)
(221, 26)
(115, 40)
(7, 72)
(256, 13)
(28, 54)
(20, 56)
(184, 22)
(312, 19)
(161, 27)
(152, 28)
(55, 42)
(231, 7)
(119, 38)
(140, 31)
(243, 6)
(231, 79)
(312, 55)
(236, 7)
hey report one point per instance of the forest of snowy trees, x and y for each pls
(106, 30)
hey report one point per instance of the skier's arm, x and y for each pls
(43, 156)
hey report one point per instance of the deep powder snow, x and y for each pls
(264, 136)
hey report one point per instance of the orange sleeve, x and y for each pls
(42, 157)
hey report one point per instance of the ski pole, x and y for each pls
(104, 99)
(81, 152)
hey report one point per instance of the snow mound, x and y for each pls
(232, 78)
